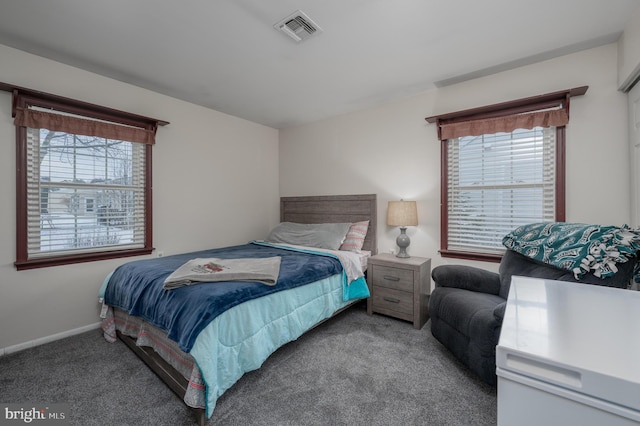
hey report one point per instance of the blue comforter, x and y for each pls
(137, 287)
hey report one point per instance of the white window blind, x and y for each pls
(496, 183)
(84, 194)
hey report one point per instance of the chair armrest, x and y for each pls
(498, 312)
(466, 278)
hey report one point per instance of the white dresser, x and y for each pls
(569, 354)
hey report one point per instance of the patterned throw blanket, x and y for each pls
(577, 247)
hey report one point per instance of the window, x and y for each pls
(496, 183)
(83, 181)
(502, 167)
(73, 170)
(89, 205)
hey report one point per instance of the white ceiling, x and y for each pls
(226, 55)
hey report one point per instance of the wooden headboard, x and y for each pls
(334, 209)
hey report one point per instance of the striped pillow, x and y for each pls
(354, 240)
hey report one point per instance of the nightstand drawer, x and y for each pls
(392, 300)
(395, 278)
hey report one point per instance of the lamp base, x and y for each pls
(403, 242)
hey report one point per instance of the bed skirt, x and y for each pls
(147, 335)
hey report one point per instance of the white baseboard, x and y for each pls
(41, 341)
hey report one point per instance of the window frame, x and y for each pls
(25, 98)
(510, 108)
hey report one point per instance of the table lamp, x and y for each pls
(402, 213)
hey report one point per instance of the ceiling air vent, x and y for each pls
(298, 26)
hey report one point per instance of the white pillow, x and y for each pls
(319, 235)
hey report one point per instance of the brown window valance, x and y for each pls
(557, 117)
(58, 113)
(80, 126)
(547, 110)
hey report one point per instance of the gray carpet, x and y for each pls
(354, 369)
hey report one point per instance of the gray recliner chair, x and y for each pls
(467, 305)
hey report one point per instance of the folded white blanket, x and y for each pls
(262, 270)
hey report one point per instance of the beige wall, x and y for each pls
(215, 183)
(629, 53)
(391, 151)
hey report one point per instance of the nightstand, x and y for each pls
(399, 287)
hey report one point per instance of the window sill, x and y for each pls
(483, 257)
(71, 259)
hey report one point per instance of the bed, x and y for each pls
(238, 336)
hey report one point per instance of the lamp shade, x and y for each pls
(402, 213)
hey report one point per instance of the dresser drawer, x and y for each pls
(395, 278)
(388, 299)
